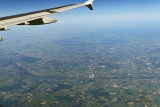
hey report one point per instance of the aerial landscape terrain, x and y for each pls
(109, 68)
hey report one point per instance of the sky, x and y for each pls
(104, 9)
(107, 13)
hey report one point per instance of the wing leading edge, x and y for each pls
(38, 17)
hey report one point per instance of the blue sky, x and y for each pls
(107, 13)
(116, 7)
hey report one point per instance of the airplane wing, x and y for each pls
(38, 17)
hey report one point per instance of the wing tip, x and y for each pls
(89, 4)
